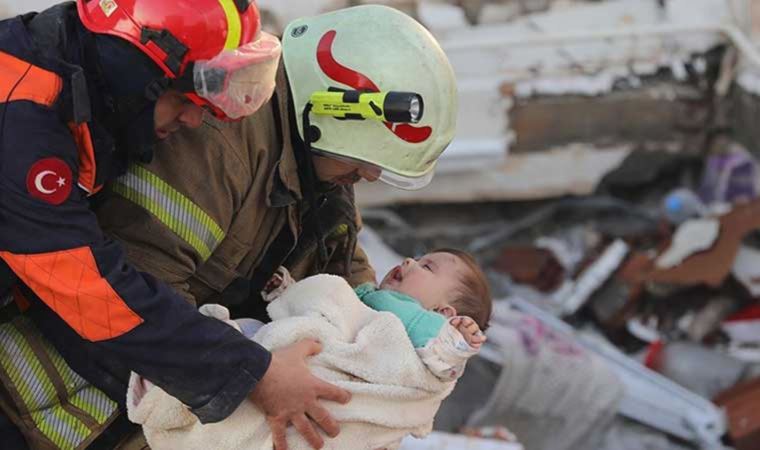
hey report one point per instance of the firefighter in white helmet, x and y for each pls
(364, 92)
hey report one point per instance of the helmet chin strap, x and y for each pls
(311, 179)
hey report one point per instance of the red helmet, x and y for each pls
(179, 34)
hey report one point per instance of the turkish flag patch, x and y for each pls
(50, 180)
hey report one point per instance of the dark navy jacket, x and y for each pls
(105, 317)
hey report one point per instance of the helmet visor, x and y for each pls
(239, 81)
(407, 183)
(372, 172)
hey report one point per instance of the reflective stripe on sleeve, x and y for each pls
(186, 219)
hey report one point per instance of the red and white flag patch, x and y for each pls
(50, 180)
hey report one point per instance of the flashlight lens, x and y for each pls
(403, 107)
(415, 109)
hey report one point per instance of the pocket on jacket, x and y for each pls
(221, 267)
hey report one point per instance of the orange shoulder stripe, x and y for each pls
(70, 283)
(87, 169)
(38, 85)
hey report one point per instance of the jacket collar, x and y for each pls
(283, 186)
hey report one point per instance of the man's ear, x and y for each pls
(448, 311)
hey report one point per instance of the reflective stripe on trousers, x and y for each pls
(54, 404)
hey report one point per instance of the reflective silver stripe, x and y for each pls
(81, 394)
(95, 402)
(180, 214)
(36, 389)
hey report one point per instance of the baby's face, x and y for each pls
(430, 280)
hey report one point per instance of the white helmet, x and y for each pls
(395, 73)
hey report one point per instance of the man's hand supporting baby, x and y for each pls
(289, 393)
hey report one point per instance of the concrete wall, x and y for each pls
(657, 112)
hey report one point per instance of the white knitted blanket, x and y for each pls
(364, 351)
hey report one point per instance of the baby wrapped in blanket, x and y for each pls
(368, 338)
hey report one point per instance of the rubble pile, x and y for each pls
(644, 295)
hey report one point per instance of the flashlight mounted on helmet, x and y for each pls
(392, 106)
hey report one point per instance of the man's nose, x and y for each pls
(192, 116)
(369, 173)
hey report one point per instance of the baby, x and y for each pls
(443, 300)
(440, 302)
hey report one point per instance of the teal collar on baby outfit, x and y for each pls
(421, 325)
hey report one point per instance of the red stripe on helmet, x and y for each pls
(342, 74)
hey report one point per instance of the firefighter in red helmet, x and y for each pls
(85, 88)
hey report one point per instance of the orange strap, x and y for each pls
(31, 82)
(87, 164)
(70, 283)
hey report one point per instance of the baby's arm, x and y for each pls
(446, 355)
(469, 330)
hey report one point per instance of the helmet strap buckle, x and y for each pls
(174, 49)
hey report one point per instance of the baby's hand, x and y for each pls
(276, 285)
(273, 283)
(469, 330)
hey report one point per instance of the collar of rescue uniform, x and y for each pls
(284, 185)
(91, 93)
(51, 40)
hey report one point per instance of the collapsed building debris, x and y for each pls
(677, 316)
(664, 293)
(712, 266)
(741, 403)
(640, 117)
(627, 105)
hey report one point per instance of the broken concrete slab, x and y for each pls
(547, 382)
(656, 113)
(527, 176)
(649, 397)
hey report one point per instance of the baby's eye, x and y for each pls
(427, 267)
